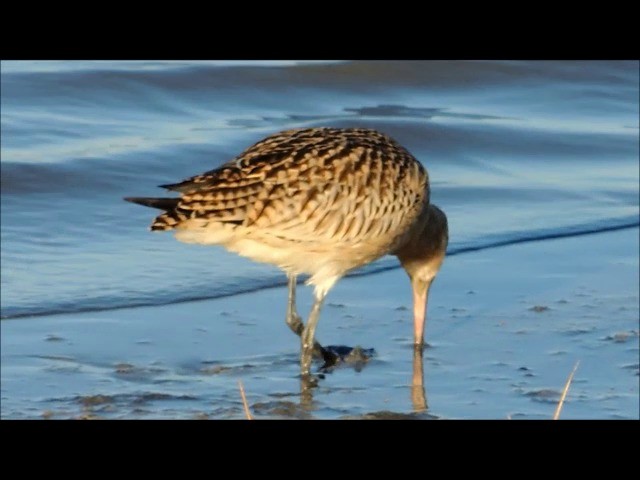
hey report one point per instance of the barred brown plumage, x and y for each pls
(316, 201)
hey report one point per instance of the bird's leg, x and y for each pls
(293, 319)
(295, 324)
(307, 337)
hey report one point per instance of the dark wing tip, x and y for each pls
(160, 203)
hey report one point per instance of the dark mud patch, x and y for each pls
(54, 338)
(539, 308)
(125, 368)
(153, 397)
(545, 395)
(252, 365)
(244, 323)
(281, 409)
(575, 331)
(93, 405)
(526, 371)
(388, 415)
(201, 416)
(215, 369)
(130, 372)
(283, 394)
(95, 400)
(622, 337)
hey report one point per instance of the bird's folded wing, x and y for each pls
(338, 187)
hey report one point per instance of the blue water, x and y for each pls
(515, 151)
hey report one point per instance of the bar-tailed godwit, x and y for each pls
(316, 201)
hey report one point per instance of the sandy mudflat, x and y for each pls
(505, 328)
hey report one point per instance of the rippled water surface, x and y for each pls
(515, 151)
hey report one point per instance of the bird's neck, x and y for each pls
(426, 243)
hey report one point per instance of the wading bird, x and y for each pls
(316, 201)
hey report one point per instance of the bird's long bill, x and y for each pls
(420, 292)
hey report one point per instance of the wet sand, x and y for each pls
(505, 328)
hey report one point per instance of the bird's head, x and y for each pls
(421, 256)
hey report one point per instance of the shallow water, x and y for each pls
(512, 148)
(500, 346)
(516, 151)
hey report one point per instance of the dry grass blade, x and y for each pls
(556, 415)
(247, 412)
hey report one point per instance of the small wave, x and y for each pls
(485, 243)
(397, 112)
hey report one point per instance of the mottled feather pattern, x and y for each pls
(316, 201)
(305, 185)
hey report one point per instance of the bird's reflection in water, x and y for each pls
(307, 386)
(346, 355)
(418, 393)
(333, 356)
